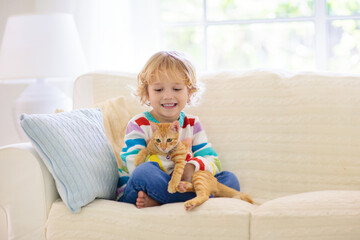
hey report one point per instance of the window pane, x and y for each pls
(181, 10)
(343, 7)
(240, 9)
(344, 45)
(188, 40)
(278, 45)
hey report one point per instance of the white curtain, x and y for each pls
(117, 35)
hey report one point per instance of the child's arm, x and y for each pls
(204, 156)
(188, 172)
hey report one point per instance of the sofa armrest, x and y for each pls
(26, 194)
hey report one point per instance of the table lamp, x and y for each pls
(41, 47)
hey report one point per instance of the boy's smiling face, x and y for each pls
(167, 99)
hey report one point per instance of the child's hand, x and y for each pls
(188, 172)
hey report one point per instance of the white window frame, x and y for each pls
(320, 19)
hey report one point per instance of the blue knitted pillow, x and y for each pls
(76, 151)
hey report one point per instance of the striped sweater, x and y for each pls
(139, 132)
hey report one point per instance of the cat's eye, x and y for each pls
(169, 140)
(158, 140)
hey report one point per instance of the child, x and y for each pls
(167, 83)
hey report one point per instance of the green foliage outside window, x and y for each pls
(343, 7)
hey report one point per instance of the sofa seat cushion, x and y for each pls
(312, 215)
(217, 218)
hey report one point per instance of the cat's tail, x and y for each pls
(225, 191)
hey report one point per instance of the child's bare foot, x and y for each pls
(144, 201)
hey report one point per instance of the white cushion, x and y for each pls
(314, 215)
(217, 218)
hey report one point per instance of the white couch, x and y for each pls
(293, 140)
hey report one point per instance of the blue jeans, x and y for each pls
(149, 178)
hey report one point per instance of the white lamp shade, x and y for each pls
(41, 46)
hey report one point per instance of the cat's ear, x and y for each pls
(154, 126)
(175, 126)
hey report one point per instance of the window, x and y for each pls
(296, 35)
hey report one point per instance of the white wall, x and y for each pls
(9, 92)
(14, 7)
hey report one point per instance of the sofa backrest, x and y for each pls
(279, 133)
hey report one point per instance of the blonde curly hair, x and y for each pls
(170, 66)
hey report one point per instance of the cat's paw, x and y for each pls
(171, 187)
(189, 205)
(184, 187)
